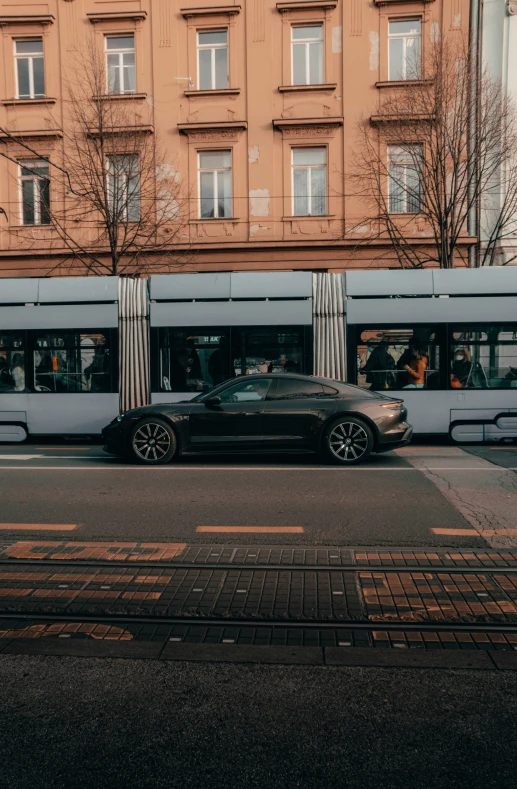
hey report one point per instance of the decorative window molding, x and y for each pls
(228, 131)
(403, 83)
(114, 130)
(511, 6)
(296, 128)
(399, 2)
(410, 118)
(215, 92)
(220, 10)
(304, 5)
(27, 19)
(324, 87)
(120, 97)
(117, 16)
(31, 102)
(30, 134)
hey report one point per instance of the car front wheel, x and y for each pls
(153, 442)
(348, 441)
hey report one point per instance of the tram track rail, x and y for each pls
(260, 567)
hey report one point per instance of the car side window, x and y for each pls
(294, 389)
(246, 391)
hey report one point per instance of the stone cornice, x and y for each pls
(218, 10)
(294, 128)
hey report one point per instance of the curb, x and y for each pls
(358, 657)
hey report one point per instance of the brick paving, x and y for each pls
(176, 580)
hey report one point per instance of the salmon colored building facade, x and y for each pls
(255, 102)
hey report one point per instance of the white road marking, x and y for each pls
(313, 469)
(21, 457)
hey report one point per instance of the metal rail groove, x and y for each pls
(350, 568)
(290, 624)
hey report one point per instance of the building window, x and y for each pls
(483, 357)
(72, 362)
(120, 64)
(197, 359)
(404, 51)
(212, 48)
(404, 174)
(12, 363)
(124, 187)
(30, 76)
(309, 181)
(307, 54)
(35, 192)
(404, 358)
(215, 184)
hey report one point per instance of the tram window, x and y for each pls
(267, 349)
(194, 360)
(12, 363)
(71, 362)
(407, 358)
(483, 357)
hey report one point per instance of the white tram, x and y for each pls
(74, 351)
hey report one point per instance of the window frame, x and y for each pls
(36, 180)
(111, 340)
(215, 171)
(30, 58)
(406, 195)
(24, 349)
(441, 343)
(212, 48)
(127, 177)
(307, 43)
(404, 37)
(309, 168)
(473, 326)
(160, 340)
(120, 52)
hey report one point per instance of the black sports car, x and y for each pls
(264, 413)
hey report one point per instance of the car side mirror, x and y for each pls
(213, 401)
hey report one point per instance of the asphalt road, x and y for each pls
(68, 723)
(416, 497)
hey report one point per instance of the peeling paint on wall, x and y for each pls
(259, 202)
(456, 22)
(253, 154)
(374, 50)
(435, 33)
(254, 229)
(167, 206)
(337, 40)
(166, 171)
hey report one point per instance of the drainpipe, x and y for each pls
(475, 39)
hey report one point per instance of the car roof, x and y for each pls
(297, 376)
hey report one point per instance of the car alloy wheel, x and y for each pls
(349, 442)
(153, 442)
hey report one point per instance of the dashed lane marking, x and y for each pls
(38, 526)
(474, 533)
(250, 529)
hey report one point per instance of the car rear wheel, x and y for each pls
(153, 442)
(348, 441)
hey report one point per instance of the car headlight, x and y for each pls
(119, 417)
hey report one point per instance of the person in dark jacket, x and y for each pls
(379, 367)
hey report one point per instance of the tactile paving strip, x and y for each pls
(188, 592)
(179, 553)
(438, 596)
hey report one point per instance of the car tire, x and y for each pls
(348, 441)
(153, 442)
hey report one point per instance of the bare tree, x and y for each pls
(439, 152)
(116, 205)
